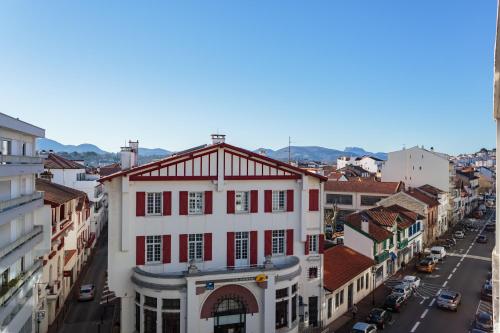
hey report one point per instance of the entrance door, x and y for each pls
(230, 316)
(350, 296)
(241, 249)
(313, 311)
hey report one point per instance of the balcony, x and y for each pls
(14, 208)
(381, 257)
(15, 165)
(20, 241)
(403, 244)
(20, 159)
(7, 291)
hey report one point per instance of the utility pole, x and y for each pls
(289, 150)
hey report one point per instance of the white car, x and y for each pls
(438, 252)
(402, 290)
(412, 280)
(459, 234)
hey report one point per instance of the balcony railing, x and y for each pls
(7, 291)
(381, 257)
(38, 229)
(16, 202)
(402, 244)
(20, 159)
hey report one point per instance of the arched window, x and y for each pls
(229, 315)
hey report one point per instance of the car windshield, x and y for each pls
(446, 296)
(86, 289)
(435, 252)
(399, 290)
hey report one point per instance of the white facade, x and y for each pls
(195, 292)
(369, 163)
(24, 226)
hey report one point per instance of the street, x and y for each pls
(465, 270)
(95, 315)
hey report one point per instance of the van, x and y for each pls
(438, 252)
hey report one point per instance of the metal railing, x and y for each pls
(20, 159)
(19, 281)
(38, 229)
(402, 244)
(381, 257)
(16, 202)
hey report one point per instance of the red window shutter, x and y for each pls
(313, 200)
(183, 203)
(321, 243)
(140, 203)
(230, 249)
(306, 246)
(208, 202)
(207, 244)
(183, 248)
(268, 242)
(289, 201)
(166, 249)
(230, 202)
(289, 242)
(140, 244)
(253, 247)
(268, 201)
(254, 201)
(167, 203)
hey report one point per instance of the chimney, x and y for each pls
(129, 155)
(218, 138)
(364, 225)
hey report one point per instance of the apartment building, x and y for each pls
(215, 238)
(371, 164)
(24, 227)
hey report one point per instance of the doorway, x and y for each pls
(350, 296)
(230, 316)
(313, 311)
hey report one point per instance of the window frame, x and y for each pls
(278, 201)
(198, 198)
(313, 244)
(156, 203)
(278, 242)
(244, 197)
(156, 244)
(198, 244)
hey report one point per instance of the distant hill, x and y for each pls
(298, 153)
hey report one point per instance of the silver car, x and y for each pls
(448, 299)
(86, 292)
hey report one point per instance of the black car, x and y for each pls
(379, 317)
(487, 292)
(483, 321)
(482, 239)
(394, 302)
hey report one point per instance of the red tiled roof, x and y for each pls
(109, 169)
(382, 216)
(375, 231)
(54, 161)
(341, 265)
(56, 194)
(431, 189)
(406, 212)
(364, 186)
(68, 254)
(431, 202)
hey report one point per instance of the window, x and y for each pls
(362, 282)
(313, 244)
(313, 272)
(294, 289)
(241, 246)
(171, 304)
(278, 242)
(154, 204)
(337, 300)
(367, 281)
(330, 305)
(153, 249)
(171, 322)
(370, 200)
(280, 293)
(149, 321)
(341, 199)
(138, 298)
(279, 201)
(195, 247)
(195, 202)
(150, 301)
(242, 202)
(341, 297)
(282, 314)
(294, 308)
(358, 285)
(137, 318)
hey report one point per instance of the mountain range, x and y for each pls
(298, 153)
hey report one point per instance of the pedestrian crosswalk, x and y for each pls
(425, 290)
(484, 307)
(107, 295)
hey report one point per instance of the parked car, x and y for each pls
(482, 239)
(379, 317)
(483, 321)
(361, 327)
(394, 302)
(403, 290)
(438, 252)
(426, 265)
(487, 291)
(459, 234)
(433, 259)
(448, 299)
(412, 280)
(86, 292)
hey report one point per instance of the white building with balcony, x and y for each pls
(216, 239)
(24, 226)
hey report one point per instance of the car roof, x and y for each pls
(410, 277)
(484, 314)
(86, 286)
(361, 326)
(448, 292)
(437, 248)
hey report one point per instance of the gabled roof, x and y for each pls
(382, 216)
(190, 153)
(54, 161)
(56, 194)
(406, 212)
(422, 197)
(364, 186)
(375, 232)
(109, 169)
(431, 189)
(354, 169)
(341, 264)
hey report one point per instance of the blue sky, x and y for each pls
(375, 74)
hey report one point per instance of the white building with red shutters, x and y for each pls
(215, 239)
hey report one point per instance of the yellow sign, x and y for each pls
(261, 278)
